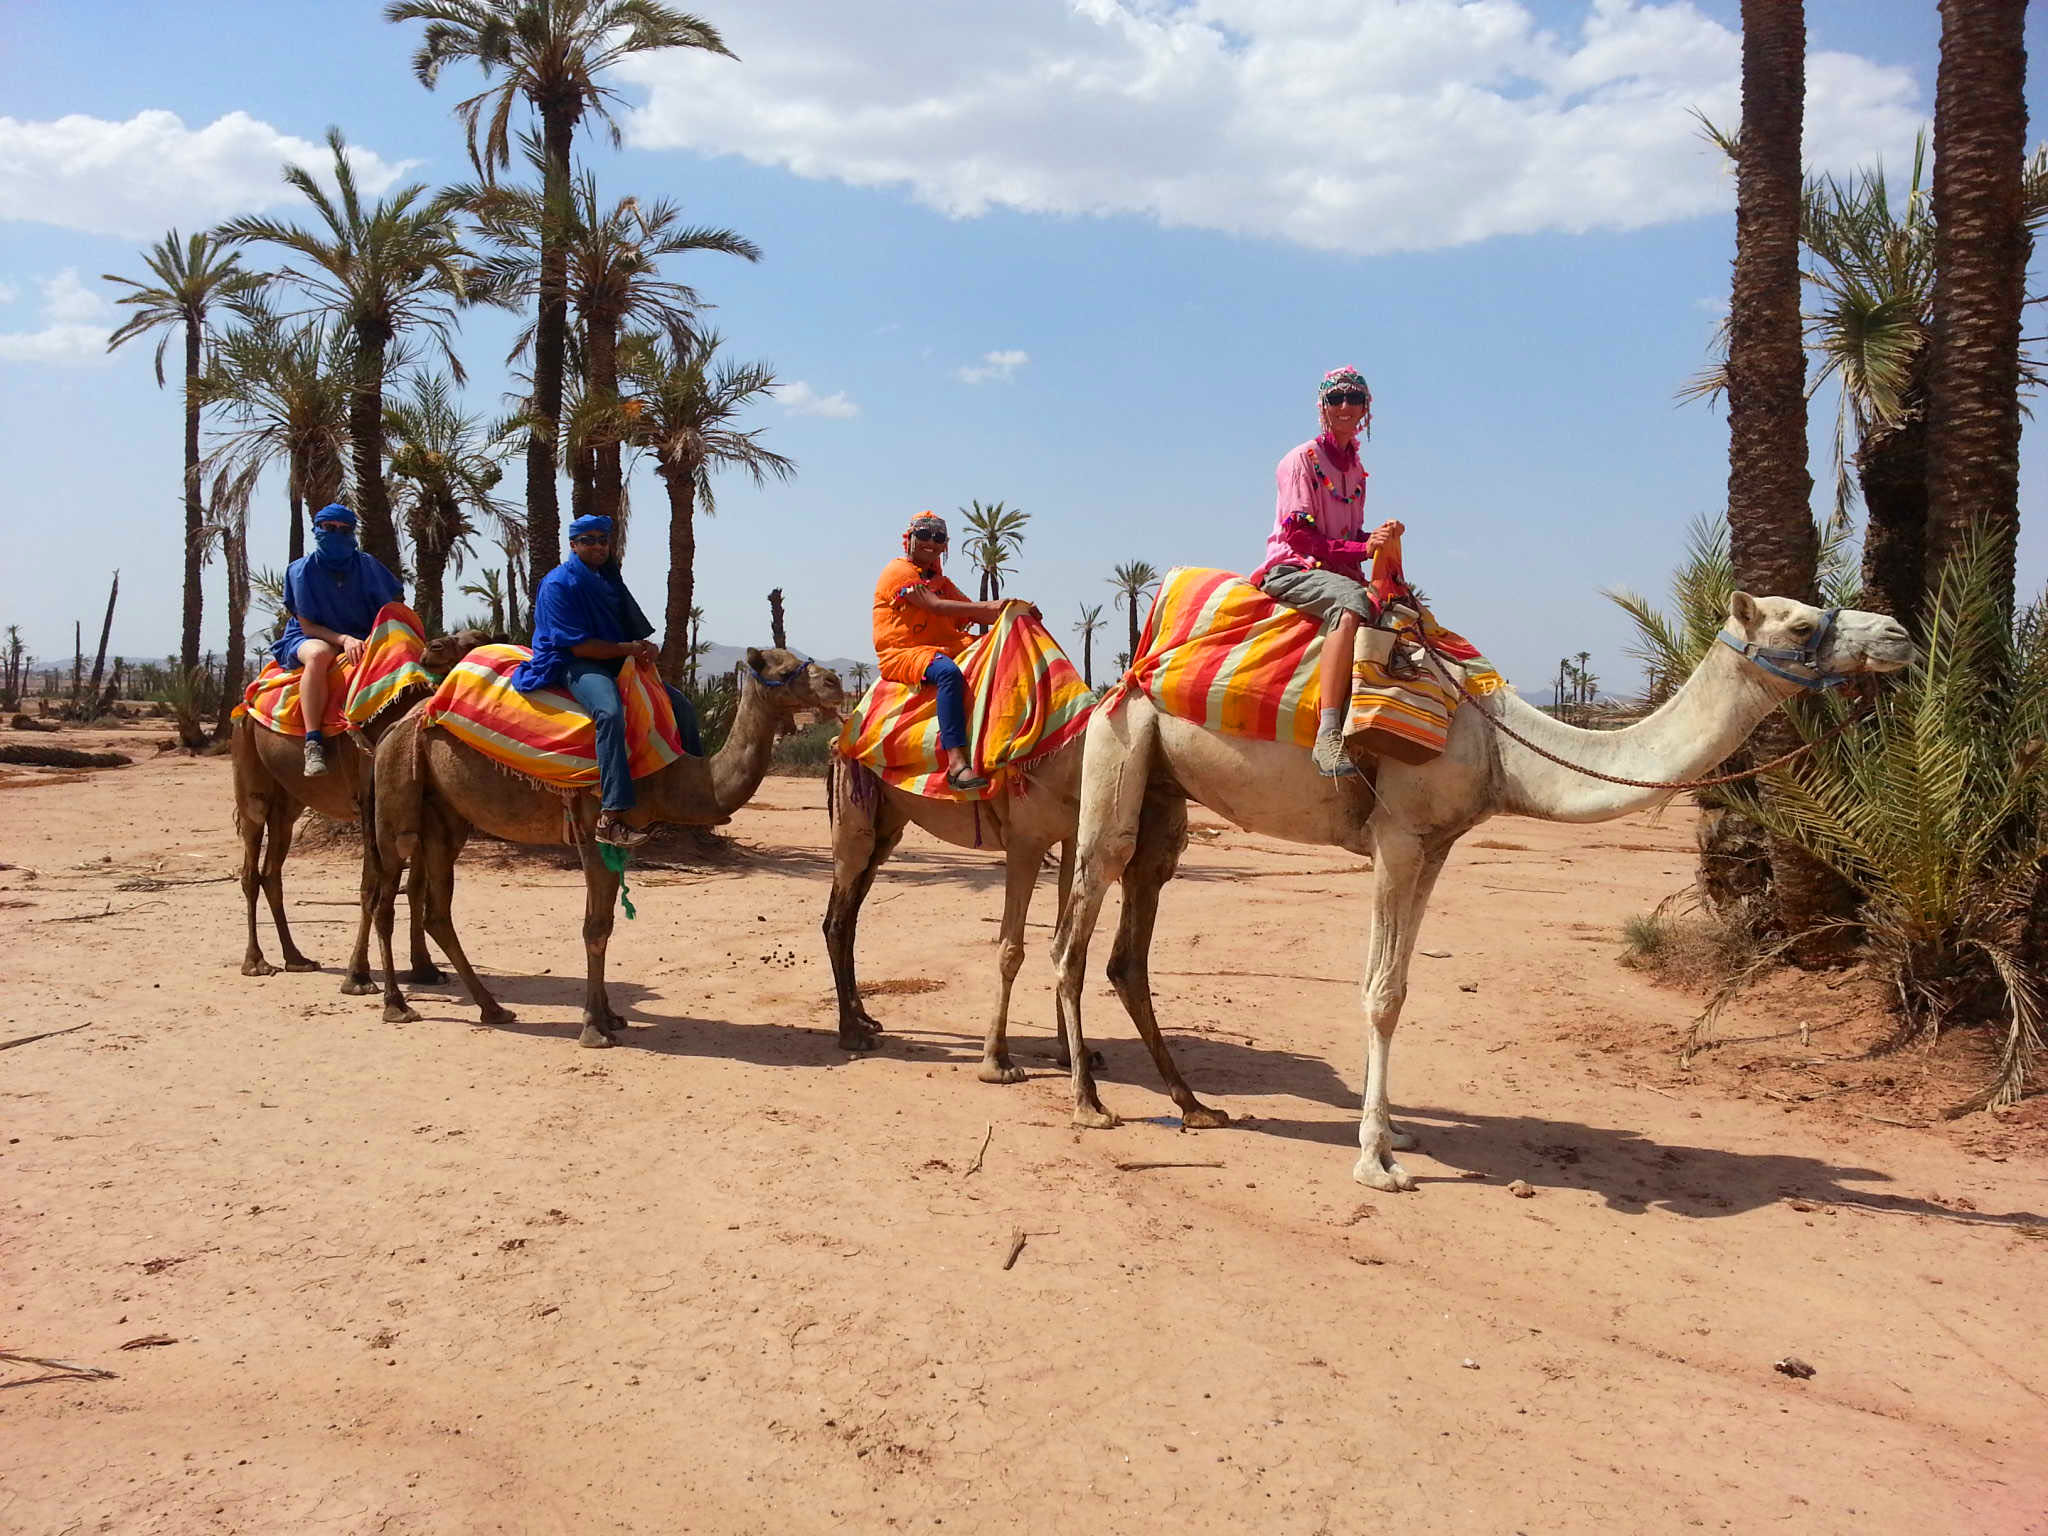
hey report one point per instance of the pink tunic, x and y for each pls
(1319, 514)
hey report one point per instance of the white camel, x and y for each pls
(1141, 767)
(868, 820)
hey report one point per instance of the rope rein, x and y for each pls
(1455, 675)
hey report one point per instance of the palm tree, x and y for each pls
(1770, 525)
(447, 465)
(553, 53)
(863, 674)
(491, 589)
(1981, 246)
(192, 274)
(681, 408)
(384, 271)
(285, 392)
(612, 260)
(228, 521)
(1132, 580)
(998, 534)
(1092, 623)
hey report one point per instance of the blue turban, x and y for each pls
(591, 524)
(334, 512)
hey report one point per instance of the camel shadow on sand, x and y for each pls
(1633, 1173)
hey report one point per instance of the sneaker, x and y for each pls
(316, 758)
(1330, 758)
(614, 831)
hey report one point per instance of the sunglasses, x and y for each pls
(927, 538)
(595, 540)
(1347, 397)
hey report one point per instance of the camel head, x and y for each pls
(791, 682)
(1802, 647)
(443, 651)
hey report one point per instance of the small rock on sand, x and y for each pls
(1521, 1189)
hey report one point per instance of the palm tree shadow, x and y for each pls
(1634, 1173)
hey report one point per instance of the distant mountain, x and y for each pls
(721, 659)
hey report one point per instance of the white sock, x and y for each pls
(1330, 722)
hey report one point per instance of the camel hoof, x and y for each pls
(593, 1038)
(302, 965)
(359, 986)
(615, 1025)
(1000, 1072)
(1095, 1118)
(258, 968)
(1404, 1141)
(426, 975)
(500, 1015)
(1390, 1179)
(859, 1039)
(1064, 1060)
(399, 1013)
(1204, 1118)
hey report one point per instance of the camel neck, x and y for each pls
(1691, 732)
(739, 766)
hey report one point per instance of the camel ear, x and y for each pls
(755, 660)
(1743, 610)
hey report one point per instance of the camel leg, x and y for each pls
(356, 980)
(600, 897)
(252, 818)
(282, 819)
(861, 844)
(1162, 832)
(1403, 874)
(422, 972)
(1398, 1137)
(1021, 862)
(382, 898)
(441, 838)
(1112, 803)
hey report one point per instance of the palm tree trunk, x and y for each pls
(1131, 610)
(682, 569)
(235, 550)
(1892, 471)
(298, 533)
(1980, 259)
(99, 660)
(188, 639)
(1770, 517)
(430, 575)
(366, 438)
(601, 384)
(1088, 658)
(550, 349)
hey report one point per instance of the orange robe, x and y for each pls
(907, 638)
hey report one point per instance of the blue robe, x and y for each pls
(575, 604)
(346, 604)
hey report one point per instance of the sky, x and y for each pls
(1084, 257)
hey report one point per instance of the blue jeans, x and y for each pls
(952, 686)
(595, 686)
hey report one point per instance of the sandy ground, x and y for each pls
(725, 1278)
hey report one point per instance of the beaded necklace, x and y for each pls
(1322, 479)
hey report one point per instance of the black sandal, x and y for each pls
(964, 778)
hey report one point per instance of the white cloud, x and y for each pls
(993, 365)
(76, 322)
(799, 399)
(1375, 125)
(9, 293)
(138, 178)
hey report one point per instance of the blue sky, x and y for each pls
(1084, 258)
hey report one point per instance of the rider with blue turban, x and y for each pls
(331, 598)
(585, 626)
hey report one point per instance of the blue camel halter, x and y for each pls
(781, 682)
(1807, 655)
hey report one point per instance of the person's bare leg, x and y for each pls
(1335, 677)
(316, 656)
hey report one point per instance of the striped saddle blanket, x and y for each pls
(389, 665)
(545, 735)
(1218, 651)
(1025, 701)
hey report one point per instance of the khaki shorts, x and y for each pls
(1323, 595)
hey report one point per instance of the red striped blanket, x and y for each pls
(1218, 651)
(546, 735)
(1025, 702)
(389, 664)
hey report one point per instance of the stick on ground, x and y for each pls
(975, 1166)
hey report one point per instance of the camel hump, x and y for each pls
(401, 787)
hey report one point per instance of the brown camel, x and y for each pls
(434, 790)
(868, 820)
(271, 790)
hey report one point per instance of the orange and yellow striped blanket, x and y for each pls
(545, 735)
(1218, 651)
(1025, 701)
(390, 664)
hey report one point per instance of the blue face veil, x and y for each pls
(335, 548)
